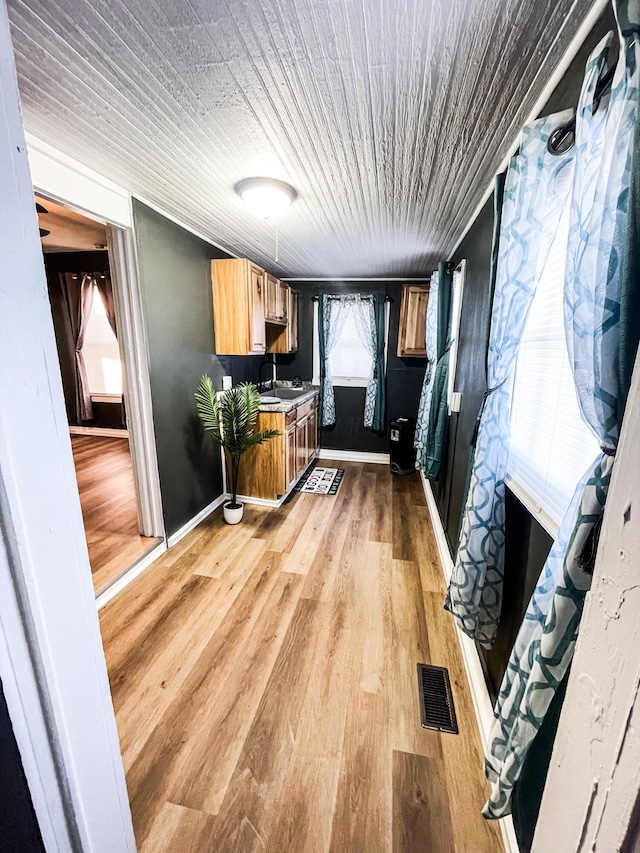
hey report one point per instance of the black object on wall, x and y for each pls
(175, 283)
(404, 375)
(19, 831)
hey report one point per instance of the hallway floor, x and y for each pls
(108, 499)
(264, 681)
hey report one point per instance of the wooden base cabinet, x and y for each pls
(270, 470)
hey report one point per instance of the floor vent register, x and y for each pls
(437, 710)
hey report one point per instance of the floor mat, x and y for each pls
(320, 481)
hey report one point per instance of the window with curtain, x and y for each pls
(101, 352)
(350, 362)
(551, 446)
(457, 288)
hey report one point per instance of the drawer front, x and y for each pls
(308, 407)
(290, 417)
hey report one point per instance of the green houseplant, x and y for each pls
(230, 419)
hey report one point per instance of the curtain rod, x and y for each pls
(316, 298)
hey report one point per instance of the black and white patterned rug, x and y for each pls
(320, 481)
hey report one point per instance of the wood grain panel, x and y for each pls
(390, 119)
(264, 710)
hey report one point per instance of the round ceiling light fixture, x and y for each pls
(268, 198)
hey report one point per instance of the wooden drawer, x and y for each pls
(290, 417)
(306, 408)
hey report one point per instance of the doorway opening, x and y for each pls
(93, 352)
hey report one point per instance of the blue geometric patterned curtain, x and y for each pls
(369, 313)
(438, 414)
(424, 407)
(332, 315)
(534, 197)
(596, 285)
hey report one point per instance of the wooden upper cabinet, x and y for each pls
(292, 324)
(271, 292)
(283, 301)
(413, 321)
(238, 307)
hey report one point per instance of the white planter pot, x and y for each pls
(233, 516)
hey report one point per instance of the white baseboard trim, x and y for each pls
(475, 674)
(354, 456)
(195, 521)
(248, 499)
(106, 432)
(124, 580)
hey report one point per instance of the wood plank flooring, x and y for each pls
(107, 496)
(264, 681)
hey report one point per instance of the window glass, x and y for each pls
(101, 353)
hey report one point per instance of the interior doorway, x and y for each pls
(93, 354)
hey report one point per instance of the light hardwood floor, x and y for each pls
(264, 681)
(107, 496)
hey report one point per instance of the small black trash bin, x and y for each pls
(403, 454)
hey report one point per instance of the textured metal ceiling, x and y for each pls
(388, 116)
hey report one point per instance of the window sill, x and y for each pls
(542, 517)
(343, 382)
(106, 398)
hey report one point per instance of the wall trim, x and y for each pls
(475, 674)
(105, 432)
(354, 456)
(195, 521)
(131, 574)
(576, 43)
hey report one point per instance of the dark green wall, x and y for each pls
(19, 831)
(175, 282)
(404, 375)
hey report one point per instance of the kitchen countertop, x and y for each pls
(307, 392)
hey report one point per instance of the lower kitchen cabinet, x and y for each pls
(270, 470)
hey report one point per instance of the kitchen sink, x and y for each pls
(290, 393)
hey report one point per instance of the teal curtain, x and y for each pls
(369, 312)
(531, 209)
(431, 336)
(437, 430)
(598, 285)
(332, 315)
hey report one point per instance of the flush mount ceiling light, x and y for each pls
(266, 197)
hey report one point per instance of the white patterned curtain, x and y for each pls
(332, 313)
(422, 422)
(371, 333)
(595, 285)
(534, 198)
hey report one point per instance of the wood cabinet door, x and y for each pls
(412, 340)
(271, 296)
(256, 309)
(283, 301)
(291, 461)
(312, 433)
(301, 444)
(292, 321)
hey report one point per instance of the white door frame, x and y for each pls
(51, 658)
(58, 177)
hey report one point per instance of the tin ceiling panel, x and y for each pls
(389, 117)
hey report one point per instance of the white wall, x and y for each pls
(51, 659)
(594, 776)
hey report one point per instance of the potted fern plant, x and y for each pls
(230, 420)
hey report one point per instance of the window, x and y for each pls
(350, 363)
(456, 310)
(101, 352)
(551, 446)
